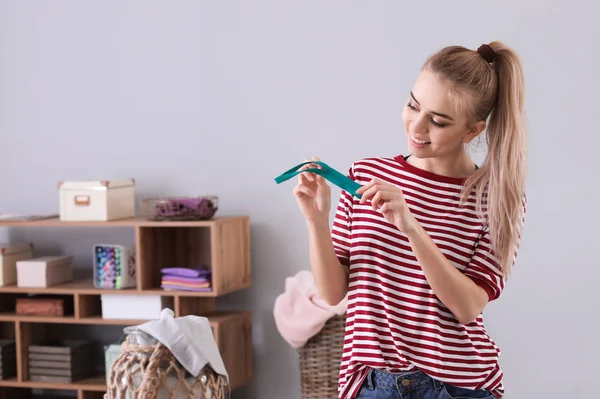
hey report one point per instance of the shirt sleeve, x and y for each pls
(342, 225)
(484, 268)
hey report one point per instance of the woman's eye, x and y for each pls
(437, 123)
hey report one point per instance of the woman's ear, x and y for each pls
(474, 131)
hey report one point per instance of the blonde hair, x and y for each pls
(489, 84)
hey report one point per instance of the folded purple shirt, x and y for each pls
(186, 272)
(168, 287)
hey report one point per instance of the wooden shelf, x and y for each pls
(130, 222)
(94, 384)
(86, 286)
(222, 244)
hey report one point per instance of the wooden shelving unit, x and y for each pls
(223, 243)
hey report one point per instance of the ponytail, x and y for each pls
(496, 82)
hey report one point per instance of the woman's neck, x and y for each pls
(456, 166)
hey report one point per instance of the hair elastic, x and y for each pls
(487, 53)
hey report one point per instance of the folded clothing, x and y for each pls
(186, 279)
(300, 313)
(171, 287)
(198, 271)
(202, 208)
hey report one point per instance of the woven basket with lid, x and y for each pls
(147, 369)
(152, 372)
(320, 360)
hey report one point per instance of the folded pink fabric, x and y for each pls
(300, 313)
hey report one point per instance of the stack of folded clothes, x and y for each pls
(186, 279)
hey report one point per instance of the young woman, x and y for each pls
(433, 238)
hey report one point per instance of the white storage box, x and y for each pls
(10, 254)
(44, 271)
(97, 200)
(114, 266)
(134, 307)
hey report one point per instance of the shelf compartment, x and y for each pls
(233, 334)
(127, 307)
(185, 306)
(40, 344)
(8, 351)
(8, 307)
(45, 306)
(223, 247)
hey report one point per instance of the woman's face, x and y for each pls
(431, 121)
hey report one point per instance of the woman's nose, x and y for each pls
(420, 124)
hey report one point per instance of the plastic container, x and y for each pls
(180, 208)
(114, 266)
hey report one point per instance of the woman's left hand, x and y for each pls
(390, 201)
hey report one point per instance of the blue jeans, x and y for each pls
(413, 385)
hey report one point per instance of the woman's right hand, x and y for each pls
(313, 194)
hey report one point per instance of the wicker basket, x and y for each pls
(320, 360)
(152, 372)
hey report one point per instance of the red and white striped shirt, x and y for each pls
(394, 321)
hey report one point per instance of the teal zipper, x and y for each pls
(330, 174)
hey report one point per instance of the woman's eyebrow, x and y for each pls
(445, 116)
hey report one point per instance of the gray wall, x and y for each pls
(220, 97)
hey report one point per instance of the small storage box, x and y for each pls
(46, 307)
(134, 307)
(10, 254)
(44, 271)
(114, 266)
(97, 200)
(61, 362)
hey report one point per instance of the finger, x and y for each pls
(364, 187)
(307, 175)
(381, 198)
(377, 200)
(371, 189)
(368, 185)
(301, 190)
(321, 181)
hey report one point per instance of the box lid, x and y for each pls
(95, 184)
(49, 261)
(14, 247)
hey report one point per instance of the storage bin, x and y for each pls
(147, 369)
(133, 307)
(10, 254)
(114, 266)
(97, 200)
(44, 271)
(320, 359)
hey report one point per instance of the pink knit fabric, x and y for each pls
(300, 313)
